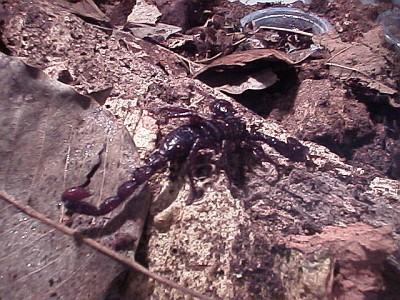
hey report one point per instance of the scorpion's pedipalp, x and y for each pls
(298, 151)
(259, 152)
(168, 113)
(293, 149)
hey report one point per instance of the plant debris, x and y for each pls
(273, 238)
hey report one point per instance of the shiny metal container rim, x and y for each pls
(296, 17)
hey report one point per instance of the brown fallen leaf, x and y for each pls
(247, 70)
(158, 32)
(242, 58)
(51, 138)
(84, 8)
(256, 80)
(366, 61)
(144, 13)
(28, 211)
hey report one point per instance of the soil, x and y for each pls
(372, 141)
(343, 97)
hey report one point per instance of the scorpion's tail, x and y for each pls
(73, 197)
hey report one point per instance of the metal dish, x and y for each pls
(391, 21)
(289, 18)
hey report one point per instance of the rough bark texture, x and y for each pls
(319, 232)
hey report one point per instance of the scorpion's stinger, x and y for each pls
(76, 194)
(73, 197)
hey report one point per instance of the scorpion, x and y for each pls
(223, 133)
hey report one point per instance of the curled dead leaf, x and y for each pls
(144, 13)
(84, 8)
(158, 32)
(248, 70)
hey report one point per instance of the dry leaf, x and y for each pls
(144, 13)
(158, 33)
(84, 8)
(365, 61)
(242, 58)
(248, 70)
(255, 81)
(51, 137)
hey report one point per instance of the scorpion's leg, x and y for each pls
(190, 162)
(198, 144)
(73, 197)
(225, 161)
(260, 153)
(292, 149)
(174, 113)
(227, 148)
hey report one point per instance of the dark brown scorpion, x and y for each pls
(224, 132)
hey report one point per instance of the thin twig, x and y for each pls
(239, 41)
(347, 68)
(338, 53)
(99, 247)
(287, 30)
(191, 64)
(205, 60)
(367, 76)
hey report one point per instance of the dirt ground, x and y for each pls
(366, 132)
(325, 230)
